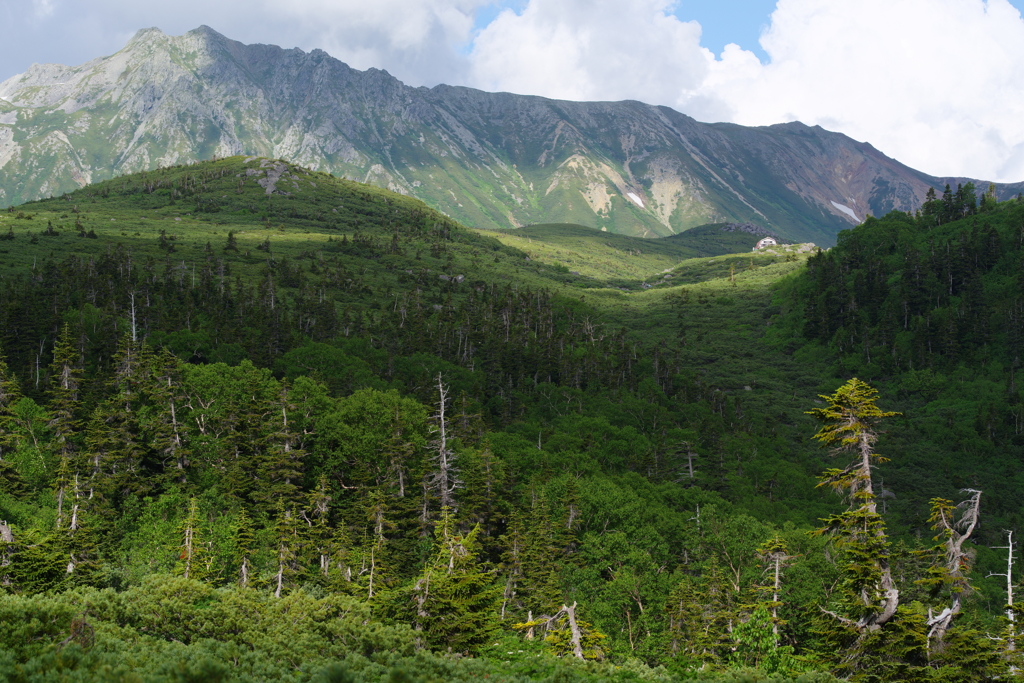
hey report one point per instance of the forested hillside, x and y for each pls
(259, 423)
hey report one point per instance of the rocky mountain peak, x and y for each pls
(487, 159)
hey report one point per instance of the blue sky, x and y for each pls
(729, 21)
(722, 21)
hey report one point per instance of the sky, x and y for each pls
(936, 84)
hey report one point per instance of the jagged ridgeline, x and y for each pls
(256, 421)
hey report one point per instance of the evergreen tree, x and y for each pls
(701, 611)
(850, 426)
(456, 597)
(869, 598)
(193, 562)
(280, 464)
(10, 394)
(932, 207)
(541, 558)
(775, 558)
(79, 542)
(513, 548)
(65, 377)
(321, 536)
(114, 443)
(165, 419)
(244, 547)
(11, 480)
(289, 546)
(375, 569)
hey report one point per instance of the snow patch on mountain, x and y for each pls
(847, 210)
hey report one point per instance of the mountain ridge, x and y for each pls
(486, 159)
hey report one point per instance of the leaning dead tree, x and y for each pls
(953, 525)
(552, 623)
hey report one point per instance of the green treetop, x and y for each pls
(850, 425)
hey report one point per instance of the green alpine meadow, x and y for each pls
(261, 423)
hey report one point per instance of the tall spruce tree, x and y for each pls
(10, 478)
(65, 377)
(165, 423)
(279, 463)
(245, 545)
(850, 419)
(868, 639)
(456, 597)
(192, 554)
(289, 546)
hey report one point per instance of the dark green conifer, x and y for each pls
(65, 377)
(869, 598)
(165, 421)
(456, 597)
(11, 480)
(244, 548)
(289, 549)
(193, 558)
(279, 467)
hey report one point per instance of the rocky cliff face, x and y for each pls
(487, 159)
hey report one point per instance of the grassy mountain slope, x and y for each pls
(593, 253)
(620, 260)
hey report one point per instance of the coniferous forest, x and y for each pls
(261, 423)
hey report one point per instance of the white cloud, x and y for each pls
(416, 41)
(931, 82)
(591, 50)
(41, 9)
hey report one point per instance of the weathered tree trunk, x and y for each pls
(1011, 615)
(6, 540)
(574, 630)
(958, 532)
(280, 570)
(444, 478)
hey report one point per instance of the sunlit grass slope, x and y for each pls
(611, 257)
(593, 253)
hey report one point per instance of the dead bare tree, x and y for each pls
(954, 525)
(6, 543)
(1011, 629)
(775, 557)
(550, 623)
(443, 480)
